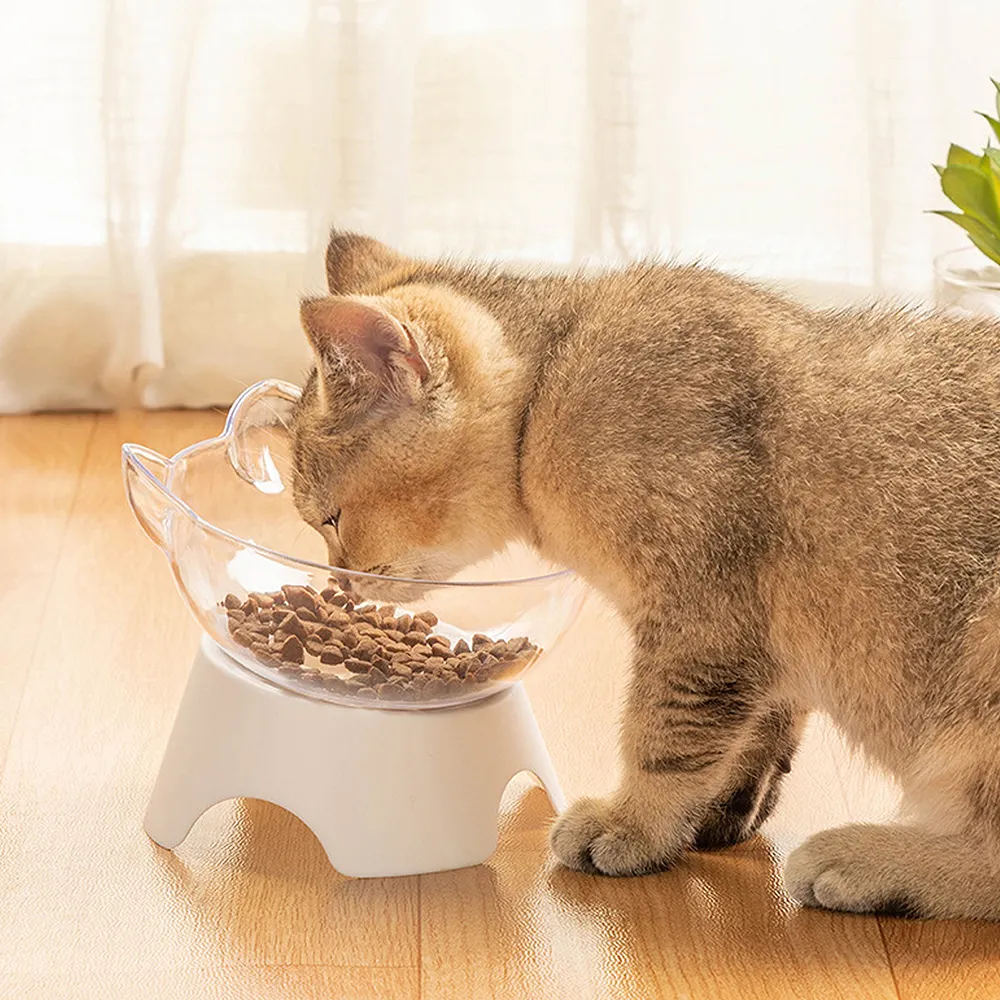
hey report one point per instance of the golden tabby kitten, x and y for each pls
(792, 510)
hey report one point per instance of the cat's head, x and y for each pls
(399, 439)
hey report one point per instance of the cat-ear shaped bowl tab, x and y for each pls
(146, 473)
(259, 409)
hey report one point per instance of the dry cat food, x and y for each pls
(368, 651)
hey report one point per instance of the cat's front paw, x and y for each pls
(854, 868)
(591, 836)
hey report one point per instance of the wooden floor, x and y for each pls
(96, 647)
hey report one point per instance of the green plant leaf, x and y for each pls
(994, 157)
(958, 156)
(997, 85)
(938, 168)
(986, 165)
(994, 123)
(971, 189)
(981, 235)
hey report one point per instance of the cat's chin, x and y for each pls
(389, 591)
(385, 590)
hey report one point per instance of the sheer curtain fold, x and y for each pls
(168, 172)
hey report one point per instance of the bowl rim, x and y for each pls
(135, 452)
(944, 262)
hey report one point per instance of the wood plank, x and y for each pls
(82, 890)
(41, 458)
(220, 983)
(958, 959)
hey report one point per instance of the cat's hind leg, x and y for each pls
(755, 782)
(896, 870)
(946, 863)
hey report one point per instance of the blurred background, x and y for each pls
(169, 171)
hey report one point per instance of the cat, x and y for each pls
(792, 510)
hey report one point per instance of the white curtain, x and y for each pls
(168, 171)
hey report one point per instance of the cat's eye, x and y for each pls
(333, 520)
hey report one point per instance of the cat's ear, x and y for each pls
(354, 262)
(360, 330)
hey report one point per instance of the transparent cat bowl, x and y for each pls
(221, 511)
(389, 725)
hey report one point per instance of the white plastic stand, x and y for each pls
(386, 792)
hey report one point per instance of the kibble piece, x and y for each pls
(394, 635)
(462, 646)
(291, 624)
(420, 626)
(402, 670)
(490, 661)
(434, 688)
(299, 597)
(420, 650)
(389, 692)
(243, 637)
(434, 663)
(331, 654)
(403, 623)
(437, 640)
(427, 617)
(292, 650)
(413, 638)
(337, 617)
(366, 648)
(479, 640)
(306, 615)
(264, 600)
(376, 677)
(232, 602)
(452, 687)
(356, 666)
(366, 693)
(350, 637)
